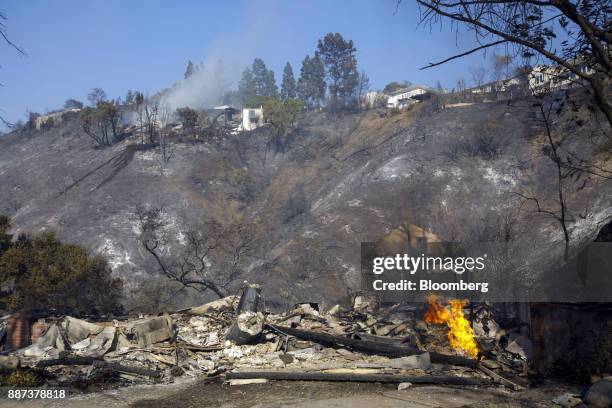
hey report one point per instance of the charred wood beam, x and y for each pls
(375, 378)
(383, 348)
(452, 360)
(125, 369)
(67, 361)
(366, 346)
(501, 380)
(195, 347)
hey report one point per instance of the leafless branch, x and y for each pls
(212, 257)
(3, 33)
(463, 54)
(520, 23)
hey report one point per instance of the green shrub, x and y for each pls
(42, 273)
(20, 379)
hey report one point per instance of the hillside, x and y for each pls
(339, 181)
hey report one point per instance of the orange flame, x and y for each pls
(460, 334)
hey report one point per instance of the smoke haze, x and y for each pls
(225, 60)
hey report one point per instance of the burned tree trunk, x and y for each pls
(249, 321)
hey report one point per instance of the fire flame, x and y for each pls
(460, 333)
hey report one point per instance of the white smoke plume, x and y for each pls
(226, 58)
(203, 89)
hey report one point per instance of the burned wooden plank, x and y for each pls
(342, 377)
(76, 360)
(366, 346)
(126, 369)
(501, 380)
(453, 360)
(196, 347)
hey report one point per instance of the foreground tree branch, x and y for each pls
(3, 33)
(523, 23)
(7, 40)
(463, 54)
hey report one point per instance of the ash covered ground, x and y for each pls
(337, 181)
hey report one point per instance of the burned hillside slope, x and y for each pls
(336, 181)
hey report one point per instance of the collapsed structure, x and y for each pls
(235, 338)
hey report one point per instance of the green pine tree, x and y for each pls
(247, 89)
(340, 61)
(190, 70)
(311, 84)
(260, 76)
(288, 87)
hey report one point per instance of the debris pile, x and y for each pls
(235, 339)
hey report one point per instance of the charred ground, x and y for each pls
(337, 180)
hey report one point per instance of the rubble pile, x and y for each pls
(235, 339)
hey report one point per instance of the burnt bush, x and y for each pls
(245, 186)
(156, 294)
(431, 105)
(296, 205)
(485, 144)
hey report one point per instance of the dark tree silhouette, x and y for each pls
(4, 34)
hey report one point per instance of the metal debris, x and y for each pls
(237, 339)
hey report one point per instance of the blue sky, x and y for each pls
(75, 45)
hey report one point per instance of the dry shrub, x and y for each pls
(485, 143)
(296, 205)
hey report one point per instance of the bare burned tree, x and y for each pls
(139, 101)
(478, 75)
(212, 256)
(363, 86)
(165, 148)
(527, 27)
(95, 125)
(110, 113)
(102, 123)
(461, 87)
(147, 111)
(96, 97)
(559, 211)
(151, 112)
